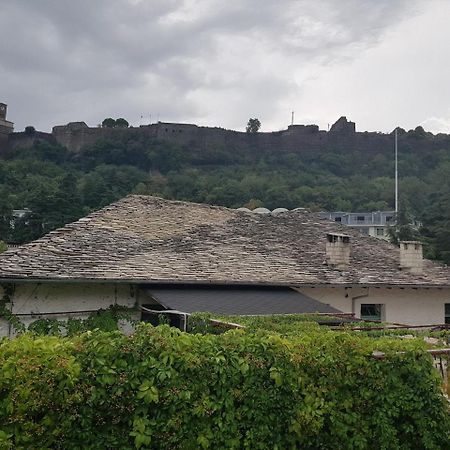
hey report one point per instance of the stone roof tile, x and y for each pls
(148, 239)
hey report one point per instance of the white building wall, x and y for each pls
(31, 301)
(409, 306)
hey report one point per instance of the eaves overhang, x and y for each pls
(68, 280)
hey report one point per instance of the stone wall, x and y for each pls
(26, 140)
(304, 139)
(3, 143)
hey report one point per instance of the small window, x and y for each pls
(360, 218)
(338, 219)
(380, 231)
(372, 311)
(447, 313)
(388, 218)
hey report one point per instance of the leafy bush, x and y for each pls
(102, 320)
(164, 389)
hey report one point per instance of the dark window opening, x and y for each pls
(360, 218)
(338, 219)
(371, 311)
(447, 313)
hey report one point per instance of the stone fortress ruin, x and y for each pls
(6, 127)
(342, 137)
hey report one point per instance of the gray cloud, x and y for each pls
(196, 60)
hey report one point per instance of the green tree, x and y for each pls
(122, 123)
(109, 123)
(436, 226)
(254, 203)
(403, 229)
(5, 215)
(253, 126)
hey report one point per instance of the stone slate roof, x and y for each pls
(230, 300)
(148, 239)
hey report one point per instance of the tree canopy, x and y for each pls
(109, 122)
(58, 186)
(121, 123)
(253, 125)
(115, 123)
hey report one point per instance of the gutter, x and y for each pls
(135, 281)
(357, 298)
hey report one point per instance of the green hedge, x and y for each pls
(163, 389)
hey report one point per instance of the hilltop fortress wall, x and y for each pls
(295, 139)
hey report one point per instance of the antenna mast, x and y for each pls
(292, 118)
(396, 172)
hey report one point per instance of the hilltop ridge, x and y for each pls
(342, 136)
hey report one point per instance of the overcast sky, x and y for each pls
(382, 63)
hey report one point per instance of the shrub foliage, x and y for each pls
(164, 389)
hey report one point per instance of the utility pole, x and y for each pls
(396, 172)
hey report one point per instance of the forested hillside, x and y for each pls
(59, 187)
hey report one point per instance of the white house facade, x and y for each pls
(145, 252)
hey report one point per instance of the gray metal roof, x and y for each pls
(237, 300)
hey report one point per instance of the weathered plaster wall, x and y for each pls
(31, 301)
(408, 306)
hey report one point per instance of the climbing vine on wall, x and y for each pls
(5, 312)
(103, 320)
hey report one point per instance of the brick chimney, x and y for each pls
(338, 250)
(411, 256)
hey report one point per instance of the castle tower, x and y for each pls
(6, 127)
(3, 108)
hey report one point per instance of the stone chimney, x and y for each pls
(338, 250)
(411, 256)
